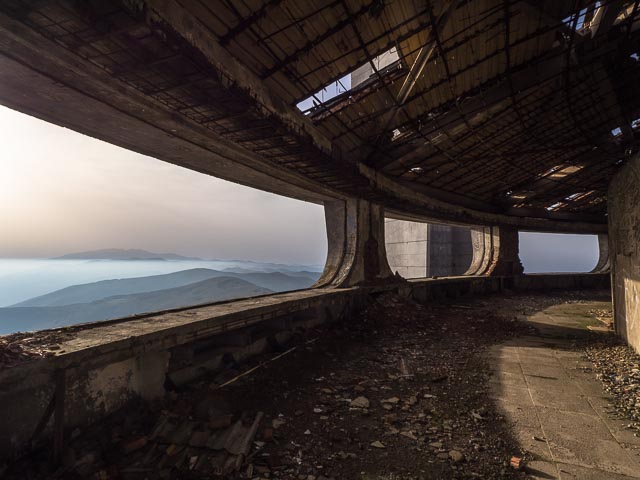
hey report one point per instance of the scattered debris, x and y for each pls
(617, 366)
(15, 349)
(360, 402)
(426, 413)
(456, 456)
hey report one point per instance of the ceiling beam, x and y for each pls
(306, 48)
(170, 15)
(549, 17)
(477, 108)
(605, 17)
(415, 72)
(247, 22)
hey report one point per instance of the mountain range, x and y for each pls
(108, 299)
(89, 292)
(122, 254)
(206, 291)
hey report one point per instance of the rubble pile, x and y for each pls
(604, 316)
(23, 347)
(398, 392)
(618, 367)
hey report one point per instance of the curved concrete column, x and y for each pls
(482, 250)
(495, 252)
(356, 248)
(604, 262)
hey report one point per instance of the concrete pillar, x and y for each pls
(450, 250)
(418, 250)
(624, 247)
(407, 247)
(356, 249)
(604, 264)
(495, 252)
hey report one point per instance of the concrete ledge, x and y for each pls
(107, 364)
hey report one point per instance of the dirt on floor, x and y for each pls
(400, 392)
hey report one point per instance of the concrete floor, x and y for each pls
(558, 409)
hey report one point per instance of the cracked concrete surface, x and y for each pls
(556, 406)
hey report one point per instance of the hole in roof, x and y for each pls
(561, 171)
(363, 73)
(325, 94)
(635, 56)
(579, 196)
(616, 131)
(573, 196)
(555, 206)
(635, 123)
(582, 22)
(518, 196)
(416, 170)
(383, 64)
(400, 133)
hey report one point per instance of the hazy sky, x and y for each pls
(549, 252)
(63, 192)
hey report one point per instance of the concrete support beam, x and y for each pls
(418, 250)
(450, 250)
(604, 261)
(356, 247)
(624, 244)
(495, 252)
(476, 109)
(407, 247)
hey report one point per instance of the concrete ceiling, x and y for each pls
(496, 112)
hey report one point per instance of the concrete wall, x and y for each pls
(105, 373)
(406, 244)
(624, 250)
(419, 250)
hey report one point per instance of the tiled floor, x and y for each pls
(559, 410)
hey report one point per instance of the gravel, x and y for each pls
(618, 367)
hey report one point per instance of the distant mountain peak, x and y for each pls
(123, 254)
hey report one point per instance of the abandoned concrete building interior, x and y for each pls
(426, 353)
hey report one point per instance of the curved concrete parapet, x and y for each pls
(356, 247)
(495, 251)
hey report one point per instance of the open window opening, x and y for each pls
(94, 232)
(420, 250)
(558, 253)
(353, 86)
